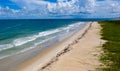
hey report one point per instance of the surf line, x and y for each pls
(66, 49)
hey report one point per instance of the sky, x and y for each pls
(42, 9)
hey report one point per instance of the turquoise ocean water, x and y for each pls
(18, 36)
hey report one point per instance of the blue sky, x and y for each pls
(59, 9)
(5, 3)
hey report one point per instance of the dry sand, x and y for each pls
(80, 52)
(83, 56)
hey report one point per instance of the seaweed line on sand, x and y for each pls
(66, 49)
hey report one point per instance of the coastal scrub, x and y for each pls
(111, 56)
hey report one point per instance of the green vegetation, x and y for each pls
(111, 55)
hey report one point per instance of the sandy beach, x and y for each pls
(84, 54)
(79, 52)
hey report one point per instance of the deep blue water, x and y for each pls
(19, 35)
(17, 28)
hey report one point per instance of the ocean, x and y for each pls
(17, 36)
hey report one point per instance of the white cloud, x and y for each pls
(30, 4)
(35, 4)
(41, 8)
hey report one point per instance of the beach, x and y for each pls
(20, 42)
(79, 52)
(84, 54)
(59, 35)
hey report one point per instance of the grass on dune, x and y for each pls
(111, 56)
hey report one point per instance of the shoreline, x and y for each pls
(22, 57)
(66, 49)
(83, 55)
(41, 61)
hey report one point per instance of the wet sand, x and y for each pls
(83, 55)
(78, 52)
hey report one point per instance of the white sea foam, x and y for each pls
(37, 44)
(43, 41)
(24, 40)
(69, 27)
(5, 46)
(34, 46)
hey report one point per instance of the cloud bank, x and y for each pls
(62, 9)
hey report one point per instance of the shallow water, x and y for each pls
(17, 36)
